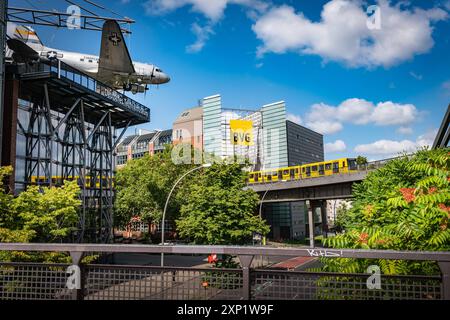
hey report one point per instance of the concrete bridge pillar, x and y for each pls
(317, 219)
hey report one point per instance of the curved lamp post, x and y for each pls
(261, 204)
(206, 165)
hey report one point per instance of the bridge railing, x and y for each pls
(106, 281)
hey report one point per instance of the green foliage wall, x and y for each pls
(403, 206)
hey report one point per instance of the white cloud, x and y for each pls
(342, 34)
(211, 9)
(294, 118)
(389, 113)
(202, 34)
(416, 76)
(405, 130)
(337, 146)
(386, 147)
(325, 127)
(393, 148)
(359, 111)
(427, 139)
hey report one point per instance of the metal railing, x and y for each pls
(21, 280)
(61, 69)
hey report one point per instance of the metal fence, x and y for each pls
(43, 281)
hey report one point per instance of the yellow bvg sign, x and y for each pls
(241, 132)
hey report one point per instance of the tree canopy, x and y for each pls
(218, 210)
(143, 185)
(209, 205)
(38, 214)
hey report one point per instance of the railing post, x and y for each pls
(246, 261)
(76, 261)
(445, 270)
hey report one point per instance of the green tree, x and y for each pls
(50, 213)
(46, 214)
(217, 209)
(143, 185)
(360, 160)
(341, 216)
(403, 206)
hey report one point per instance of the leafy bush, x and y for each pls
(403, 206)
(39, 214)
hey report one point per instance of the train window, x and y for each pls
(251, 176)
(296, 170)
(314, 168)
(321, 171)
(303, 169)
(352, 164)
(308, 171)
(328, 166)
(285, 172)
(335, 167)
(274, 173)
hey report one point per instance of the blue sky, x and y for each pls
(371, 91)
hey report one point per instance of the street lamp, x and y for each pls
(206, 165)
(260, 207)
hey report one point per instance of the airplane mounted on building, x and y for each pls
(114, 66)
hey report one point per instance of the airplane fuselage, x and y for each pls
(144, 73)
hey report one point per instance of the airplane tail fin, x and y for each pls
(25, 34)
(114, 55)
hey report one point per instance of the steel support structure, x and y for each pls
(443, 135)
(3, 10)
(58, 149)
(61, 19)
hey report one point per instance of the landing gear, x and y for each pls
(127, 86)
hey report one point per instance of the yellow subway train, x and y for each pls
(59, 180)
(306, 171)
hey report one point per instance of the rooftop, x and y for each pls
(65, 83)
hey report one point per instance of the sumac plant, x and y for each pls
(404, 205)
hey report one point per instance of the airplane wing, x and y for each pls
(114, 56)
(22, 50)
